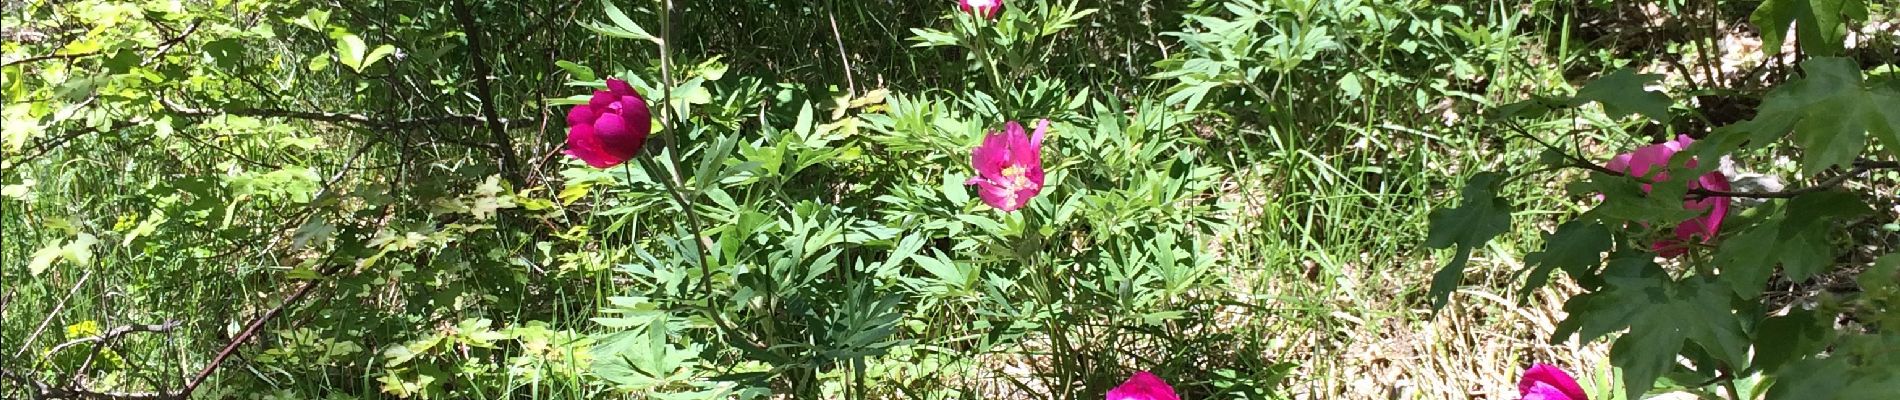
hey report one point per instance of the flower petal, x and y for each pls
(581, 115)
(1544, 391)
(1143, 386)
(1549, 382)
(1042, 128)
(1715, 209)
(620, 137)
(620, 87)
(990, 157)
(601, 100)
(1021, 150)
(583, 143)
(998, 196)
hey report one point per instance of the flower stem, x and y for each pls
(984, 59)
(674, 181)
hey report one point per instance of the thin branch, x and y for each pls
(38, 58)
(257, 325)
(323, 116)
(34, 388)
(484, 91)
(39, 390)
(28, 343)
(116, 333)
(105, 340)
(162, 47)
(1860, 167)
(47, 146)
(851, 84)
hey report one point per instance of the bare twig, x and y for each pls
(502, 144)
(39, 390)
(73, 56)
(28, 343)
(851, 84)
(116, 333)
(257, 324)
(34, 388)
(323, 116)
(105, 340)
(1860, 167)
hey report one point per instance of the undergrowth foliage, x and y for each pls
(317, 199)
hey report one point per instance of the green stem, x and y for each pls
(1728, 383)
(675, 182)
(983, 56)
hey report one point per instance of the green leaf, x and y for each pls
(349, 51)
(1885, 275)
(953, 188)
(1622, 93)
(1803, 248)
(1577, 246)
(1857, 367)
(1701, 310)
(1780, 339)
(1819, 23)
(1633, 283)
(318, 63)
(378, 54)
(1772, 17)
(1659, 314)
(146, 227)
(1748, 259)
(79, 251)
(580, 72)
(622, 27)
(1822, 25)
(1802, 256)
(1643, 356)
(226, 53)
(1834, 111)
(1481, 217)
(44, 258)
(1834, 132)
(1625, 200)
(1886, 125)
(931, 37)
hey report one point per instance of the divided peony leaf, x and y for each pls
(1577, 247)
(1623, 93)
(1481, 216)
(1833, 111)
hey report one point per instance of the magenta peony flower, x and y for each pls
(610, 128)
(1009, 166)
(1143, 386)
(1641, 163)
(1545, 382)
(984, 8)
